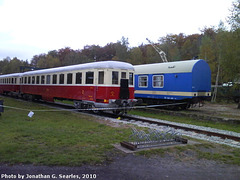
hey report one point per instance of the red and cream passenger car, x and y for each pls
(10, 83)
(105, 84)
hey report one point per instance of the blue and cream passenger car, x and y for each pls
(181, 81)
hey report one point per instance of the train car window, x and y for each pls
(61, 79)
(158, 81)
(38, 80)
(12, 80)
(48, 79)
(29, 80)
(25, 80)
(79, 78)
(101, 77)
(142, 81)
(89, 77)
(42, 79)
(54, 79)
(69, 78)
(33, 80)
(130, 78)
(115, 77)
(123, 75)
(15, 80)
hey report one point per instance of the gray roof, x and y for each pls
(170, 67)
(92, 65)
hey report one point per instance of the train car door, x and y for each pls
(124, 86)
(89, 92)
(100, 88)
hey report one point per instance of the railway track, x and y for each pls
(186, 127)
(227, 137)
(232, 138)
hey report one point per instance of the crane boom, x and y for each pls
(160, 52)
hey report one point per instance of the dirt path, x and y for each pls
(131, 167)
(221, 110)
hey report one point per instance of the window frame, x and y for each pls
(79, 78)
(48, 79)
(69, 78)
(140, 81)
(61, 78)
(54, 79)
(131, 78)
(123, 75)
(37, 79)
(101, 75)
(42, 79)
(155, 81)
(115, 81)
(89, 79)
(33, 79)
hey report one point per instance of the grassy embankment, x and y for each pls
(71, 139)
(53, 138)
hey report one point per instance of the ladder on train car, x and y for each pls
(161, 53)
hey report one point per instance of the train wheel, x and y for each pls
(95, 111)
(118, 112)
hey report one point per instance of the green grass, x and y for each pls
(187, 120)
(204, 150)
(54, 138)
(71, 139)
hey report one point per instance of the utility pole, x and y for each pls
(214, 96)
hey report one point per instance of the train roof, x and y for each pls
(10, 75)
(170, 67)
(93, 65)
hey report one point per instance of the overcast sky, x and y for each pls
(32, 27)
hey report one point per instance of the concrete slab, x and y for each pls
(125, 150)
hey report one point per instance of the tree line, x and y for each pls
(219, 46)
